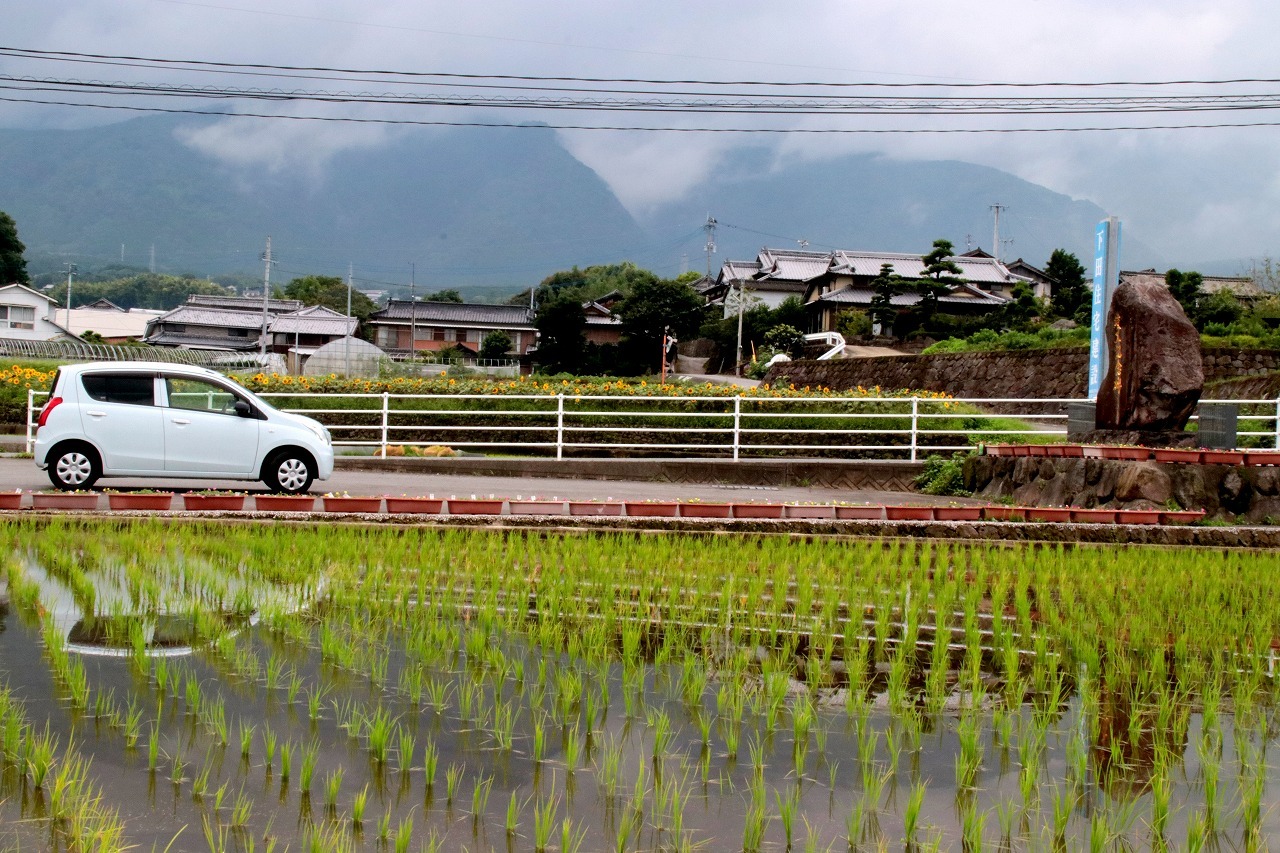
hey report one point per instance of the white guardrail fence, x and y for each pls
(718, 427)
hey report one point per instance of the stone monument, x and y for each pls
(1154, 372)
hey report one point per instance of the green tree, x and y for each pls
(1185, 287)
(884, 287)
(940, 275)
(562, 341)
(495, 345)
(145, 290)
(13, 263)
(331, 292)
(1070, 288)
(449, 295)
(784, 338)
(1018, 312)
(653, 307)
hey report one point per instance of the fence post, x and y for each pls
(737, 424)
(559, 426)
(1277, 423)
(31, 403)
(386, 412)
(915, 425)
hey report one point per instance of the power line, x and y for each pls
(648, 129)
(193, 64)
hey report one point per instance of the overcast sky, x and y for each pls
(1197, 195)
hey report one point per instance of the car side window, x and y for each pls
(135, 389)
(199, 396)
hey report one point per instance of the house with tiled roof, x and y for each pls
(1243, 288)
(436, 326)
(831, 282)
(217, 323)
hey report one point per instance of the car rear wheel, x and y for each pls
(289, 471)
(74, 466)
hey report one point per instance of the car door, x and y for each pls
(203, 434)
(120, 417)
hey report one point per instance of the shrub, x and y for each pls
(943, 476)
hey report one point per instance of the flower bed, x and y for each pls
(65, 500)
(350, 504)
(708, 510)
(284, 503)
(213, 502)
(419, 506)
(152, 501)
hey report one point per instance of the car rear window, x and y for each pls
(133, 388)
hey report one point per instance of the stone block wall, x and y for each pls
(1053, 373)
(1243, 493)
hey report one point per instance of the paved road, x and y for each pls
(23, 474)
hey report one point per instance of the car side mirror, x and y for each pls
(243, 409)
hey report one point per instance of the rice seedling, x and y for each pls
(544, 813)
(452, 776)
(480, 797)
(153, 747)
(241, 810)
(911, 812)
(404, 835)
(246, 740)
(430, 758)
(332, 787)
(310, 755)
(788, 808)
(269, 741)
(358, 804)
(754, 825)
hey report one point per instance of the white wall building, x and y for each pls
(28, 315)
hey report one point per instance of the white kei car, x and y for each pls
(152, 419)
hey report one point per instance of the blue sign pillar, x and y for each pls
(1106, 275)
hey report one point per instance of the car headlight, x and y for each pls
(320, 431)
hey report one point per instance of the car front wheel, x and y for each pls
(74, 466)
(290, 472)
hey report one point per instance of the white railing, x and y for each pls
(724, 427)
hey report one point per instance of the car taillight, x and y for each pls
(49, 406)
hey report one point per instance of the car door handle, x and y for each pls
(96, 414)
(181, 421)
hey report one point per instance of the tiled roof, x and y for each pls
(792, 265)
(314, 320)
(863, 295)
(455, 313)
(979, 270)
(191, 315)
(197, 342)
(244, 303)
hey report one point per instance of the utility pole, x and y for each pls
(346, 339)
(710, 228)
(266, 293)
(413, 311)
(995, 237)
(742, 298)
(71, 270)
(152, 265)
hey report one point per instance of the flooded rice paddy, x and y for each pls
(212, 686)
